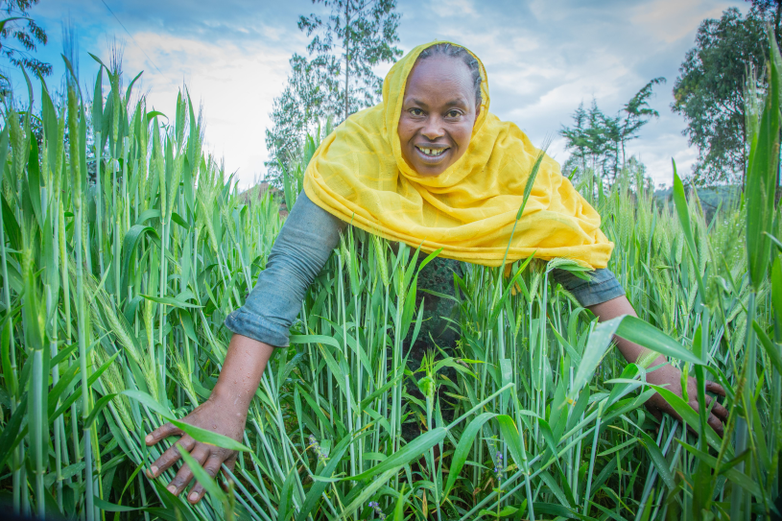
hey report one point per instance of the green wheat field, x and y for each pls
(124, 246)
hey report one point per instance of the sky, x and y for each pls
(543, 58)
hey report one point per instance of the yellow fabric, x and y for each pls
(358, 174)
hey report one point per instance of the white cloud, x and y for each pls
(672, 20)
(234, 84)
(452, 8)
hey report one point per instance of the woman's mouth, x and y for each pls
(431, 154)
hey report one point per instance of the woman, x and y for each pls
(429, 166)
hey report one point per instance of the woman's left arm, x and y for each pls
(667, 375)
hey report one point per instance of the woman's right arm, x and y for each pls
(299, 253)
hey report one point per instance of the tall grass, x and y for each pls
(124, 246)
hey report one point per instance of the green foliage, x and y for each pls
(24, 33)
(771, 10)
(114, 291)
(709, 92)
(337, 80)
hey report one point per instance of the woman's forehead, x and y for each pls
(440, 74)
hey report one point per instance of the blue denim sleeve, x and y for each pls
(299, 253)
(601, 286)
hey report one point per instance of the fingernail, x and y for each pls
(153, 470)
(193, 496)
(149, 438)
(172, 489)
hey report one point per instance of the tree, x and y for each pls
(638, 112)
(770, 10)
(27, 35)
(302, 104)
(601, 138)
(338, 79)
(709, 92)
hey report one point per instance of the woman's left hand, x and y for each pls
(670, 377)
(667, 375)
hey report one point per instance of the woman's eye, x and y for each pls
(453, 114)
(416, 112)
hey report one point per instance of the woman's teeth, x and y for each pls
(432, 152)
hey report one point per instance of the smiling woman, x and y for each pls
(431, 167)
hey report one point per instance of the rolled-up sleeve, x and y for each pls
(299, 253)
(600, 287)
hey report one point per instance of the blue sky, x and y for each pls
(543, 58)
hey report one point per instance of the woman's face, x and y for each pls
(438, 114)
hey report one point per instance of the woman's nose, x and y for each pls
(433, 128)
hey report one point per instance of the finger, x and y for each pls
(718, 410)
(170, 457)
(185, 474)
(212, 467)
(164, 431)
(229, 464)
(656, 413)
(714, 388)
(712, 420)
(716, 424)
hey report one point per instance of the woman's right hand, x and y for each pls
(225, 412)
(216, 415)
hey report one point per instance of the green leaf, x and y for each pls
(318, 487)
(761, 177)
(179, 220)
(658, 460)
(641, 332)
(75, 395)
(408, 453)
(202, 476)
(154, 114)
(209, 437)
(732, 474)
(11, 430)
(285, 496)
(146, 400)
(684, 218)
(772, 349)
(212, 438)
(367, 492)
(512, 439)
(97, 408)
(11, 19)
(776, 297)
(129, 245)
(171, 301)
(463, 448)
(97, 102)
(111, 507)
(597, 344)
(319, 340)
(399, 509)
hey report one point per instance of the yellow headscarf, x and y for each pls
(358, 174)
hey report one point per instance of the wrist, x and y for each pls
(242, 371)
(231, 396)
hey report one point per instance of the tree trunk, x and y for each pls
(624, 158)
(347, 57)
